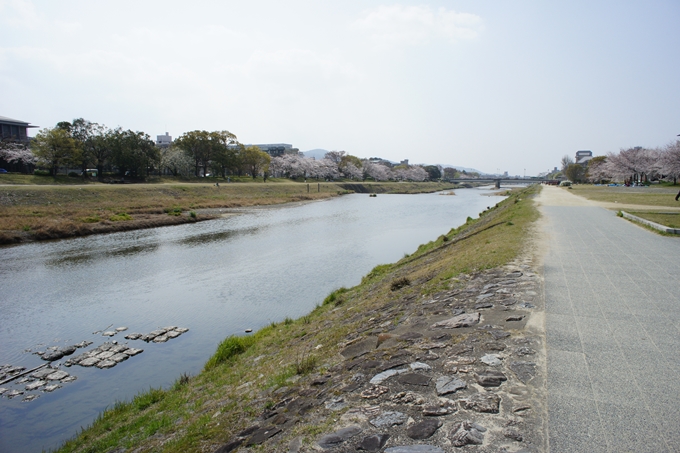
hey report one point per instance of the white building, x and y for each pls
(163, 140)
(277, 149)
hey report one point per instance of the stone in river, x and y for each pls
(106, 364)
(133, 351)
(35, 385)
(160, 339)
(157, 332)
(51, 387)
(464, 320)
(42, 373)
(449, 384)
(424, 429)
(173, 334)
(51, 356)
(109, 333)
(119, 357)
(170, 328)
(3, 390)
(388, 419)
(12, 393)
(57, 375)
(374, 442)
(28, 398)
(181, 329)
(69, 379)
(121, 329)
(133, 336)
(118, 348)
(105, 355)
(338, 437)
(90, 361)
(68, 350)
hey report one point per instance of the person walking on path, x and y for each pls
(677, 196)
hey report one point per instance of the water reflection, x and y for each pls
(217, 236)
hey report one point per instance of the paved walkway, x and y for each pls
(613, 331)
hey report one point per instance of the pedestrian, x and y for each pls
(677, 196)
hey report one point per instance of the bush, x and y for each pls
(230, 347)
(73, 174)
(334, 297)
(192, 214)
(399, 283)
(41, 172)
(174, 211)
(91, 219)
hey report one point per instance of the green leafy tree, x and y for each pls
(133, 152)
(433, 172)
(224, 152)
(55, 148)
(255, 161)
(198, 145)
(575, 172)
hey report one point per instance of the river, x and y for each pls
(216, 278)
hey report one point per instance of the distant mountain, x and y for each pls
(317, 153)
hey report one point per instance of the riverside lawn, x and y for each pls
(38, 212)
(247, 374)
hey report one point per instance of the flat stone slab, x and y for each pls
(490, 378)
(423, 429)
(35, 385)
(482, 402)
(374, 442)
(449, 384)
(360, 348)
(57, 375)
(414, 379)
(491, 359)
(91, 361)
(382, 377)
(414, 449)
(105, 364)
(388, 419)
(339, 436)
(525, 371)
(464, 320)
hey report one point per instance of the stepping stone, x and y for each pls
(106, 364)
(173, 334)
(14, 393)
(160, 339)
(464, 320)
(120, 357)
(35, 385)
(57, 375)
(449, 384)
(424, 429)
(388, 419)
(374, 442)
(482, 402)
(415, 379)
(338, 437)
(133, 351)
(133, 336)
(121, 329)
(51, 388)
(90, 361)
(109, 333)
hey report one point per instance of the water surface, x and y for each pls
(217, 278)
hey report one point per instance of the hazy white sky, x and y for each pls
(508, 85)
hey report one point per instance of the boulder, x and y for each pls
(464, 320)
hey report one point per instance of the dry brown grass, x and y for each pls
(33, 212)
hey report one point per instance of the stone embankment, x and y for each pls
(461, 370)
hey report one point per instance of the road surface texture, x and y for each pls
(612, 301)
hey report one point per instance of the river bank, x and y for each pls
(43, 212)
(316, 391)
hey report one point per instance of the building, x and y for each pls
(163, 141)
(582, 157)
(277, 149)
(11, 129)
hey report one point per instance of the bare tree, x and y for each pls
(565, 162)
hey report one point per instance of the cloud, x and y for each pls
(19, 14)
(388, 26)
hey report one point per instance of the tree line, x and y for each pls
(628, 165)
(85, 145)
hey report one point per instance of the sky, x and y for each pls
(495, 85)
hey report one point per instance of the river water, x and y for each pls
(216, 278)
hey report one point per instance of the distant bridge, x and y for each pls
(497, 181)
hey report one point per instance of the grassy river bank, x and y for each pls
(282, 387)
(33, 210)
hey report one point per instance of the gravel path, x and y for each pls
(612, 302)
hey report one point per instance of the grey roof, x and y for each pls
(4, 119)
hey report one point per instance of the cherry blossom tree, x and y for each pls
(670, 161)
(17, 153)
